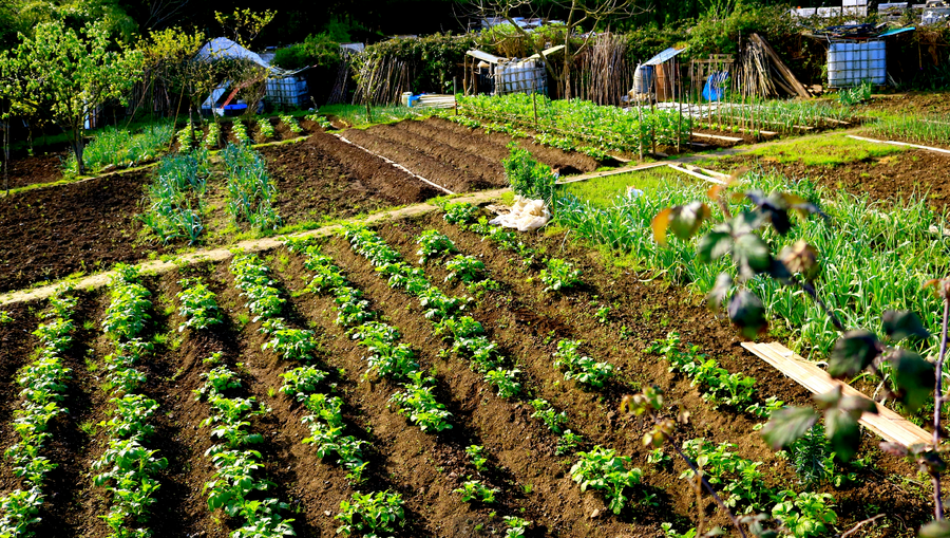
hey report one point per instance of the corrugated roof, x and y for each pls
(485, 57)
(665, 56)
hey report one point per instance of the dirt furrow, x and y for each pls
(487, 170)
(423, 164)
(567, 163)
(521, 443)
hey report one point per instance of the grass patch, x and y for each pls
(826, 150)
(602, 191)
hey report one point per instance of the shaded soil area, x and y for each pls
(45, 168)
(50, 233)
(909, 176)
(325, 177)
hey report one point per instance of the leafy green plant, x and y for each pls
(213, 136)
(418, 403)
(265, 129)
(302, 381)
(602, 469)
(291, 123)
(462, 213)
(805, 514)
(474, 490)
(580, 367)
(517, 527)
(433, 244)
(568, 443)
(477, 457)
(371, 514)
(544, 411)
(528, 177)
(199, 305)
(559, 275)
(5, 317)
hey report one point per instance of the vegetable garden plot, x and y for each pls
(639, 314)
(325, 177)
(457, 158)
(50, 233)
(914, 176)
(495, 145)
(587, 124)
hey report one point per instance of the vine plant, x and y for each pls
(740, 229)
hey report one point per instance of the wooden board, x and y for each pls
(679, 168)
(893, 143)
(887, 424)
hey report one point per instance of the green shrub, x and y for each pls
(528, 177)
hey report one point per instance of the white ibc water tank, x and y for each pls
(851, 63)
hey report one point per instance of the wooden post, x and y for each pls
(534, 101)
(455, 94)
(679, 125)
(640, 128)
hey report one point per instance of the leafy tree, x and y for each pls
(75, 73)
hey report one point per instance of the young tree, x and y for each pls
(76, 73)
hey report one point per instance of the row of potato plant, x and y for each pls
(394, 360)
(471, 271)
(251, 192)
(302, 383)
(176, 195)
(599, 469)
(368, 513)
(43, 385)
(128, 468)
(803, 515)
(237, 486)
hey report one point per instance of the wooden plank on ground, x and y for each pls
(697, 175)
(717, 137)
(595, 175)
(887, 424)
(905, 144)
(713, 173)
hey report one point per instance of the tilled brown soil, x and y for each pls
(456, 157)
(28, 170)
(325, 177)
(527, 323)
(912, 175)
(50, 233)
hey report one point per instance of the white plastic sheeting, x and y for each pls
(526, 215)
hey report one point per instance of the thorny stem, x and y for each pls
(709, 487)
(938, 405)
(813, 293)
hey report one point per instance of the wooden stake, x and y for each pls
(534, 101)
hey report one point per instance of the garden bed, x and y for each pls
(532, 479)
(325, 178)
(87, 226)
(911, 175)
